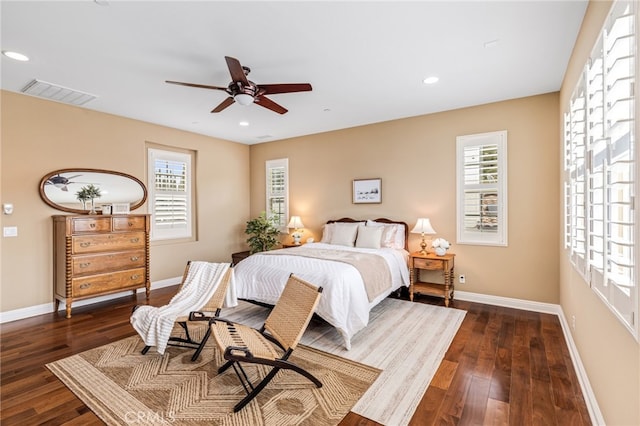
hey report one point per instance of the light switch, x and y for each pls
(7, 208)
(10, 231)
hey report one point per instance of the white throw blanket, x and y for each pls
(154, 324)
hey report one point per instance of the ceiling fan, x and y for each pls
(61, 182)
(246, 92)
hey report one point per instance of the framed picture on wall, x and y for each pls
(367, 191)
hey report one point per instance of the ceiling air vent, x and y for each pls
(57, 93)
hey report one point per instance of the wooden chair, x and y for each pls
(206, 313)
(283, 327)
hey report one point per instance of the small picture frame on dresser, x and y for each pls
(120, 208)
(106, 208)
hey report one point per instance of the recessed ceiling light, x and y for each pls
(491, 43)
(244, 123)
(15, 55)
(430, 80)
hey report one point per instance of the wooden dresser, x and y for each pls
(95, 255)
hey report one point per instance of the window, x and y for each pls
(482, 189)
(600, 167)
(278, 191)
(170, 193)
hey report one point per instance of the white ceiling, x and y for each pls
(365, 60)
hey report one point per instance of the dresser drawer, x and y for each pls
(105, 283)
(91, 224)
(427, 264)
(108, 242)
(93, 264)
(129, 223)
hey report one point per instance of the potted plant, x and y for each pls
(89, 192)
(82, 196)
(263, 233)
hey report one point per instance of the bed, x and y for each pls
(358, 263)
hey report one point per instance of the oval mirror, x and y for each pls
(59, 189)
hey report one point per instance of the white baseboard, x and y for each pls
(47, 308)
(547, 308)
(507, 302)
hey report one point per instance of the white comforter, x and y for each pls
(344, 303)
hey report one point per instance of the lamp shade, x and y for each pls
(243, 99)
(295, 223)
(423, 226)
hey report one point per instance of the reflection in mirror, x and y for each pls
(59, 189)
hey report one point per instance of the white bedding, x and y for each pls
(344, 303)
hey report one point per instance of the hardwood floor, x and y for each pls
(504, 367)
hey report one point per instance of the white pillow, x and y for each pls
(344, 234)
(369, 236)
(327, 230)
(392, 236)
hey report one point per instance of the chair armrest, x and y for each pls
(198, 316)
(231, 349)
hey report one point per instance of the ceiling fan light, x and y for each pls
(243, 99)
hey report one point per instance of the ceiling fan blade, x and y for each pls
(237, 73)
(223, 104)
(271, 89)
(201, 86)
(265, 102)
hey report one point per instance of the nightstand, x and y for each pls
(431, 262)
(292, 245)
(237, 257)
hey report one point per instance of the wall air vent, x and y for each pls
(57, 93)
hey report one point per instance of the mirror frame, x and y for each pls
(84, 170)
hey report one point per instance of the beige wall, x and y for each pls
(40, 136)
(610, 354)
(415, 158)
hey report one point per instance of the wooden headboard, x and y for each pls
(381, 220)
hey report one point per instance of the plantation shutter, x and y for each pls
(170, 194)
(482, 189)
(600, 166)
(578, 179)
(277, 191)
(613, 168)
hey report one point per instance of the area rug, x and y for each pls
(124, 387)
(406, 340)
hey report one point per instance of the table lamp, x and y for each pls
(297, 225)
(423, 226)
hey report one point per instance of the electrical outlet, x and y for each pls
(10, 231)
(573, 322)
(461, 278)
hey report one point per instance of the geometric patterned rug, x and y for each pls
(124, 387)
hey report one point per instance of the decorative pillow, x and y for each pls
(344, 234)
(392, 236)
(369, 236)
(327, 230)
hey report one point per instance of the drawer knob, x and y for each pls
(130, 224)
(92, 225)
(135, 276)
(135, 240)
(85, 244)
(134, 258)
(85, 264)
(85, 285)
